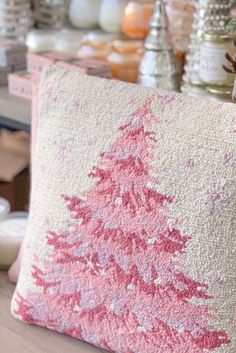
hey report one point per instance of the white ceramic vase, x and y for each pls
(111, 15)
(84, 13)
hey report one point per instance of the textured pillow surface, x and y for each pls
(15, 268)
(132, 242)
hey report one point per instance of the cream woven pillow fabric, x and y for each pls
(131, 243)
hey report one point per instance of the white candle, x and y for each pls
(111, 15)
(84, 13)
(4, 207)
(212, 58)
(68, 40)
(39, 40)
(12, 231)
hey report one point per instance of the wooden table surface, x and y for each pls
(16, 337)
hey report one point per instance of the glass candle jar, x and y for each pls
(195, 90)
(137, 18)
(111, 14)
(125, 58)
(220, 94)
(212, 58)
(96, 45)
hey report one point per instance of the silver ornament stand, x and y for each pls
(159, 68)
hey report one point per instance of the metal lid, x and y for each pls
(197, 83)
(220, 91)
(218, 36)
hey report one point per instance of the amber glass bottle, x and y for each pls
(137, 17)
(124, 58)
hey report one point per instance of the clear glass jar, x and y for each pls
(195, 90)
(220, 94)
(212, 58)
(111, 14)
(125, 58)
(137, 18)
(96, 45)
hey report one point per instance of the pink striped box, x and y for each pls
(36, 62)
(91, 67)
(20, 84)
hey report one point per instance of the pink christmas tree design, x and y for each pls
(115, 277)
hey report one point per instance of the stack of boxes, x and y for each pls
(20, 83)
(36, 62)
(12, 58)
(91, 67)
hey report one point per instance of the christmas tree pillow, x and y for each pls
(131, 242)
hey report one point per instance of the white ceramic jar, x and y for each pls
(12, 231)
(111, 15)
(84, 13)
(212, 58)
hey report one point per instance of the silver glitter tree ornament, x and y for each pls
(211, 15)
(50, 13)
(159, 68)
(15, 18)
